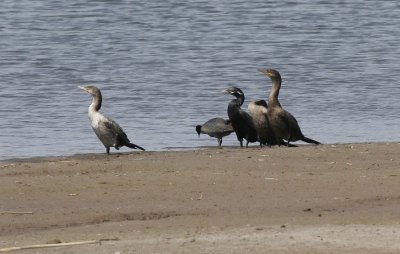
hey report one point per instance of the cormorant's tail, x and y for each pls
(309, 140)
(286, 144)
(133, 146)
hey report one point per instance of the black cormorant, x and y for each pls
(241, 121)
(107, 130)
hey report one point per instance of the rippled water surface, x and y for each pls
(162, 65)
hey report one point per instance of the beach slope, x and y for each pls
(309, 199)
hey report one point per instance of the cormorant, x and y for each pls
(258, 111)
(216, 127)
(282, 122)
(107, 130)
(241, 121)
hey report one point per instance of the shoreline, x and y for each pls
(167, 149)
(310, 199)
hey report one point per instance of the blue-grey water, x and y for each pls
(162, 65)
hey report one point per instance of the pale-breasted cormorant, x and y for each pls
(107, 130)
(283, 123)
(216, 127)
(241, 121)
(258, 111)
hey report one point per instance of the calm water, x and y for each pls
(162, 66)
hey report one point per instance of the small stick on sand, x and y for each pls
(39, 246)
(12, 212)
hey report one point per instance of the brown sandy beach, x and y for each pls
(310, 199)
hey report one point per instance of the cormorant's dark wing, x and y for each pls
(249, 125)
(117, 135)
(291, 125)
(261, 103)
(246, 116)
(120, 136)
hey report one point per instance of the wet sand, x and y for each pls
(309, 199)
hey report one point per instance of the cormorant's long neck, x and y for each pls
(240, 99)
(96, 102)
(273, 95)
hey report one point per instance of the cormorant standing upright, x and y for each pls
(106, 129)
(282, 122)
(241, 121)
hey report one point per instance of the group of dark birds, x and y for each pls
(269, 124)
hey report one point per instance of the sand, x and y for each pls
(309, 199)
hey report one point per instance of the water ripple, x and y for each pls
(162, 67)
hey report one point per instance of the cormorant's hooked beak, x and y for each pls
(264, 71)
(83, 88)
(228, 91)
